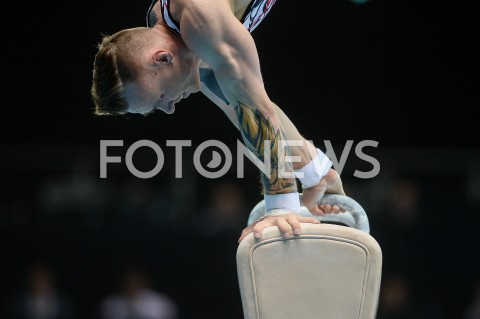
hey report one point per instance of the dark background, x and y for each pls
(403, 73)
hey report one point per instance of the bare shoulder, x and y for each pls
(211, 29)
(203, 11)
(205, 25)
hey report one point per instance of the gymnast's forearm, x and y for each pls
(306, 150)
(260, 135)
(313, 164)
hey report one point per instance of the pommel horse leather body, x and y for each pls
(331, 271)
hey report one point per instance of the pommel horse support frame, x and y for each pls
(331, 271)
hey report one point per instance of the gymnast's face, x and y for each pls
(164, 79)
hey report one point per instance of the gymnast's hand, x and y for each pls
(330, 184)
(288, 224)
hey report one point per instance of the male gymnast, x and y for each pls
(205, 45)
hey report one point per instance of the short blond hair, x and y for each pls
(114, 65)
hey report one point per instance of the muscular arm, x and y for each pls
(211, 89)
(212, 31)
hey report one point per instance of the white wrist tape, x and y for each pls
(281, 203)
(314, 171)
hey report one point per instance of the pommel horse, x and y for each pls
(331, 271)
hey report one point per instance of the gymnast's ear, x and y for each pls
(162, 57)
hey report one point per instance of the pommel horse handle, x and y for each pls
(354, 215)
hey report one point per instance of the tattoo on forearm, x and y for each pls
(255, 129)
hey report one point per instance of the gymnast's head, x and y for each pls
(141, 70)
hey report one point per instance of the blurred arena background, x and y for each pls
(403, 73)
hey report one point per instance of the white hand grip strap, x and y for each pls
(311, 174)
(288, 202)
